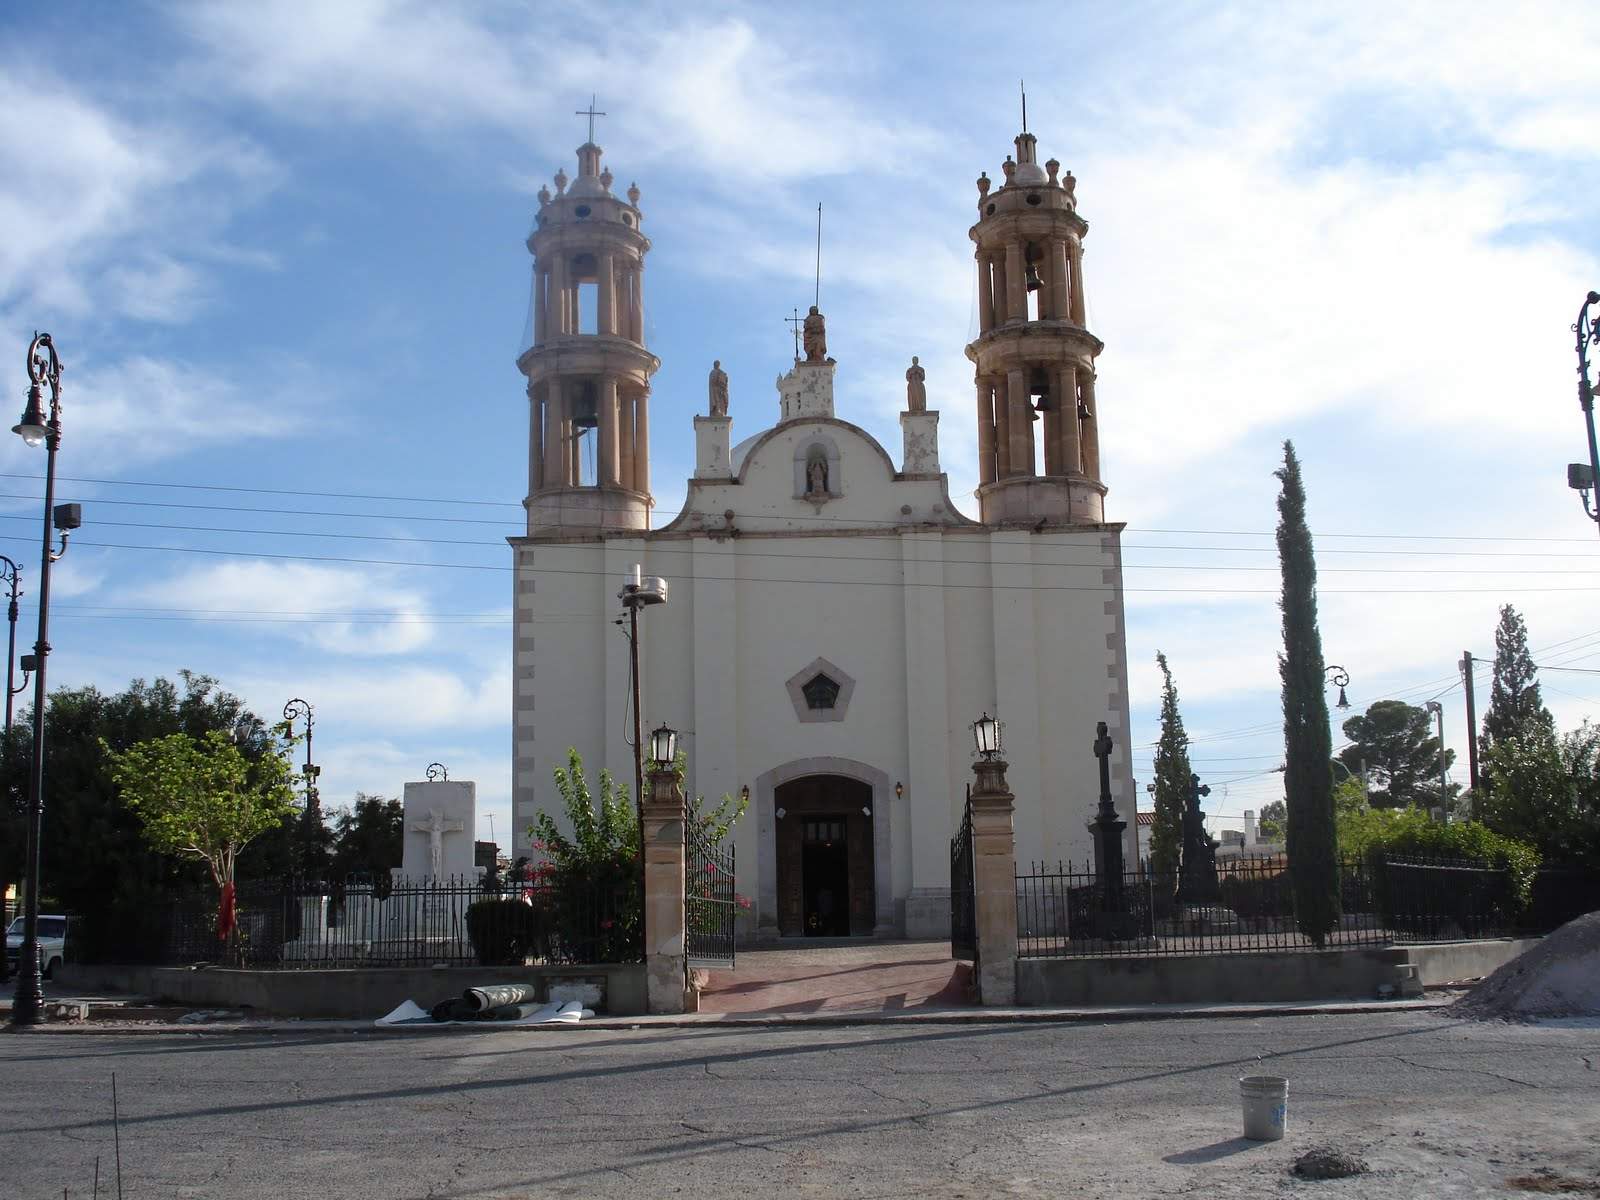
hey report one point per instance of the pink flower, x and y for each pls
(607, 923)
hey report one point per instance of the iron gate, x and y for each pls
(963, 899)
(709, 901)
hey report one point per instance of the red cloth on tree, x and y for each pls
(226, 917)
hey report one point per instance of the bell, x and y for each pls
(1343, 702)
(584, 421)
(1034, 283)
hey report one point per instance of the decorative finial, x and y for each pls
(1008, 169)
(633, 194)
(1053, 167)
(1022, 86)
(561, 181)
(605, 178)
(591, 113)
(544, 196)
(1071, 184)
(984, 183)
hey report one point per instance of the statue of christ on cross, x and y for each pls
(436, 827)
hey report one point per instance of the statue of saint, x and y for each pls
(817, 476)
(815, 336)
(916, 390)
(718, 386)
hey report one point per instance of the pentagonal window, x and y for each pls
(820, 692)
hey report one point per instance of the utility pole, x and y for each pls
(1472, 717)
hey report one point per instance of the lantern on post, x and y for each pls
(663, 747)
(986, 735)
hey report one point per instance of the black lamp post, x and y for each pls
(1340, 678)
(311, 819)
(1581, 476)
(10, 575)
(37, 425)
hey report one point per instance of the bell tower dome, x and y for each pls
(588, 370)
(1038, 429)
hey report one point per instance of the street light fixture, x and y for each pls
(11, 576)
(311, 818)
(1340, 678)
(986, 736)
(663, 747)
(1581, 476)
(39, 425)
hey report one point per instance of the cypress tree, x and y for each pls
(1172, 773)
(1516, 710)
(1308, 775)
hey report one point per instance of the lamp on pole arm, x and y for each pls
(296, 710)
(1581, 476)
(1340, 678)
(40, 425)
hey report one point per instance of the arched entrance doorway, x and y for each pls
(824, 839)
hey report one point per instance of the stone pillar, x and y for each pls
(555, 463)
(1075, 252)
(641, 441)
(1016, 284)
(985, 294)
(605, 320)
(994, 871)
(605, 458)
(535, 441)
(919, 441)
(1067, 379)
(985, 429)
(625, 443)
(711, 441)
(1002, 426)
(558, 313)
(636, 315)
(1052, 434)
(1091, 424)
(665, 863)
(540, 279)
(1060, 281)
(998, 306)
(569, 438)
(1020, 424)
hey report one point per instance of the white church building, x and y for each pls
(835, 623)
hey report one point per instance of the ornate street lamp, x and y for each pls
(986, 735)
(38, 425)
(11, 576)
(1340, 678)
(1581, 476)
(663, 748)
(298, 709)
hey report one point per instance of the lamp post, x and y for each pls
(1581, 476)
(37, 425)
(1437, 710)
(639, 592)
(10, 575)
(293, 711)
(1340, 678)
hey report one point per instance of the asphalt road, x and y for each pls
(1439, 1107)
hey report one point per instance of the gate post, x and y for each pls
(665, 951)
(994, 883)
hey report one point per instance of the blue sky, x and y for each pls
(280, 248)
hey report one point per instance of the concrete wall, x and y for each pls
(934, 620)
(1253, 978)
(361, 992)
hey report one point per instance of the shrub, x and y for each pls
(506, 932)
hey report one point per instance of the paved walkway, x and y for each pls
(815, 976)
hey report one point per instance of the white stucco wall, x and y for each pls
(934, 618)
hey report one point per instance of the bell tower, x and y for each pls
(1038, 427)
(588, 370)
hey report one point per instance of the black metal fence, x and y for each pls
(1063, 911)
(526, 917)
(963, 897)
(710, 902)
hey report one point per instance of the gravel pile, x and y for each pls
(1328, 1162)
(1560, 977)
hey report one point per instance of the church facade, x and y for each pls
(834, 623)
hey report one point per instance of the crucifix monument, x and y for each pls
(440, 821)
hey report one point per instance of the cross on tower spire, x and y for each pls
(591, 113)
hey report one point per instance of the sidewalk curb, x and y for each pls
(959, 1016)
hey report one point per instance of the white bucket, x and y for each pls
(1266, 1106)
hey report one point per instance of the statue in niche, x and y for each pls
(916, 389)
(817, 472)
(717, 385)
(815, 335)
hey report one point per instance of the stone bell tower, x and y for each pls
(1038, 427)
(588, 370)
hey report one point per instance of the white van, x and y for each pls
(52, 943)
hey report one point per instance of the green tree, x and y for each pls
(1172, 776)
(1393, 742)
(1545, 791)
(597, 865)
(368, 838)
(1516, 709)
(203, 798)
(96, 863)
(1274, 817)
(1308, 776)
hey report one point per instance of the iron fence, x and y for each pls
(1066, 911)
(526, 917)
(963, 898)
(710, 902)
